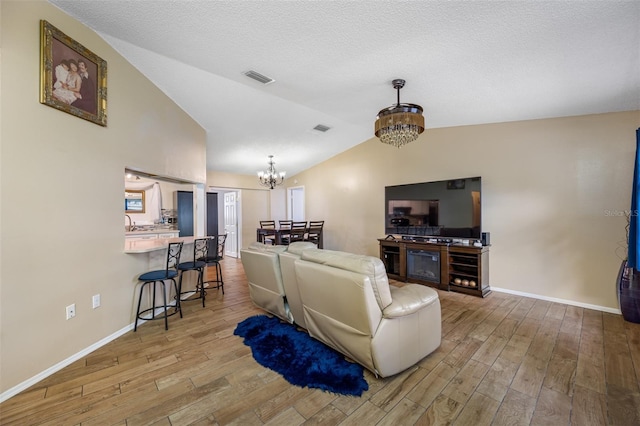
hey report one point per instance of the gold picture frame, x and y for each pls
(81, 92)
(134, 201)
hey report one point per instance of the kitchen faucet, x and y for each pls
(130, 228)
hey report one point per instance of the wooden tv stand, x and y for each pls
(458, 264)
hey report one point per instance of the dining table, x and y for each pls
(278, 233)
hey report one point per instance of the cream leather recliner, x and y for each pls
(348, 305)
(289, 279)
(262, 267)
(272, 278)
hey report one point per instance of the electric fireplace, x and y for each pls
(423, 265)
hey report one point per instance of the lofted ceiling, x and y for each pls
(333, 61)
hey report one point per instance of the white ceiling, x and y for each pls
(333, 61)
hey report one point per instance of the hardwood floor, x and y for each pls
(504, 360)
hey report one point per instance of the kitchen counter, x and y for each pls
(147, 246)
(150, 234)
(151, 231)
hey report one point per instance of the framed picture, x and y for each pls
(72, 78)
(134, 201)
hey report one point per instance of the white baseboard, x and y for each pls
(59, 366)
(554, 299)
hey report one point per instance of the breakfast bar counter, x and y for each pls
(147, 246)
(151, 255)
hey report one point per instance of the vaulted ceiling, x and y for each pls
(333, 61)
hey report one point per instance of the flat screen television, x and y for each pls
(440, 209)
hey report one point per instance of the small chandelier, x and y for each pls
(399, 124)
(271, 177)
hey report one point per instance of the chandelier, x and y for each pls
(399, 124)
(271, 177)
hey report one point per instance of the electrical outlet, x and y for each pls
(96, 301)
(71, 311)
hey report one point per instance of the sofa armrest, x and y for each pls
(409, 299)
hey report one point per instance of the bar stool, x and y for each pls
(158, 277)
(214, 255)
(200, 249)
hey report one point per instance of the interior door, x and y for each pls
(185, 213)
(231, 224)
(212, 213)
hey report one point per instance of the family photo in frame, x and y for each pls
(72, 78)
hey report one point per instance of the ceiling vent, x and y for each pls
(321, 128)
(259, 77)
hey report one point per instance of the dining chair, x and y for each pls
(284, 226)
(315, 231)
(297, 232)
(157, 278)
(266, 236)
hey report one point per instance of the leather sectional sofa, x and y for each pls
(345, 301)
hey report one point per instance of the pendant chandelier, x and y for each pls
(271, 177)
(399, 124)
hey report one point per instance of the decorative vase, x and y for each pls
(629, 293)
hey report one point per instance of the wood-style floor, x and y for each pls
(504, 360)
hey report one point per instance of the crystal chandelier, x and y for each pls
(399, 124)
(271, 177)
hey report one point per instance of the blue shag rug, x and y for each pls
(302, 360)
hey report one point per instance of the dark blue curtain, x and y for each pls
(633, 259)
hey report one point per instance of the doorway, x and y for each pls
(295, 198)
(226, 219)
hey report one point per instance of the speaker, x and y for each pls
(485, 239)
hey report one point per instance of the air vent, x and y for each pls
(321, 128)
(259, 77)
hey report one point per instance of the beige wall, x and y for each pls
(61, 192)
(168, 190)
(547, 186)
(230, 180)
